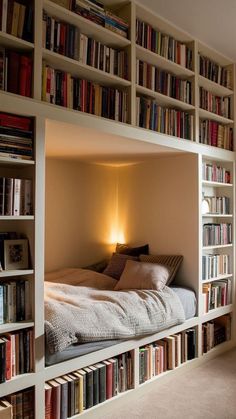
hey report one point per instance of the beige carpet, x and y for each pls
(206, 392)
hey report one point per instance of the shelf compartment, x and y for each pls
(157, 60)
(218, 246)
(86, 26)
(216, 184)
(203, 114)
(10, 41)
(5, 274)
(217, 278)
(217, 312)
(12, 327)
(77, 69)
(211, 215)
(164, 99)
(213, 87)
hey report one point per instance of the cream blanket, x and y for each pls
(81, 306)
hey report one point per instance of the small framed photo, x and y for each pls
(16, 254)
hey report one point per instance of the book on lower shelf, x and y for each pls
(216, 332)
(215, 173)
(174, 122)
(15, 298)
(216, 294)
(18, 405)
(215, 72)
(214, 265)
(219, 105)
(15, 196)
(89, 386)
(17, 18)
(215, 134)
(217, 234)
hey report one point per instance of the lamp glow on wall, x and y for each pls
(116, 232)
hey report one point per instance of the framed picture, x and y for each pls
(16, 254)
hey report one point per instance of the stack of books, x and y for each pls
(22, 404)
(215, 332)
(163, 44)
(216, 104)
(168, 121)
(166, 354)
(218, 204)
(215, 72)
(214, 173)
(15, 196)
(15, 301)
(16, 72)
(16, 354)
(16, 18)
(62, 89)
(70, 394)
(216, 294)
(158, 80)
(16, 136)
(217, 234)
(217, 135)
(215, 265)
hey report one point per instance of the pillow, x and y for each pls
(117, 264)
(97, 267)
(173, 261)
(132, 251)
(143, 276)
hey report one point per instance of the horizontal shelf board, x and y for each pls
(16, 217)
(86, 26)
(15, 161)
(218, 349)
(150, 57)
(219, 246)
(217, 184)
(12, 327)
(17, 272)
(214, 117)
(10, 41)
(63, 63)
(92, 358)
(17, 383)
(213, 87)
(217, 312)
(217, 278)
(163, 99)
(211, 215)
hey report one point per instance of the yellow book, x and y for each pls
(15, 18)
(21, 21)
(81, 402)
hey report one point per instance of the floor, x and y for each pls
(207, 392)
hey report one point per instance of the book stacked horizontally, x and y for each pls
(16, 137)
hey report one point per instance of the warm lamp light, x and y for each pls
(117, 236)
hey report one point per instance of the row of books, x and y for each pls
(15, 301)
(16, 72)
(216, 294)
(215, 72)
(16, 354)
(158, 80)
(163, 44)
(18, 405)
(166, 354)
(215, 332)
(62, 89)
(16, 136)
(15, 196)
(214, 173)
(215, 265)
(16, 18)
(169, 121)
(217, 234)
(217, 135)
(218, 204)
(70, 394)
(216, 104)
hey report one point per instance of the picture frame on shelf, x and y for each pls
(16, 254)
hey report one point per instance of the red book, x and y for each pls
(23, 75)
(48, 401)
(8, 357)
(62, 48)
(13, 71)
(109, 379)
(28, 91)
(12, 121)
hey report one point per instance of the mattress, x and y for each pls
(189, 303)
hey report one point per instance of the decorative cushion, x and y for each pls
(132, 251)
(141, 275)
(97, 267)
(117, 264)
(173, 261)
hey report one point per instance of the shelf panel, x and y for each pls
(86, 26)
(12, 327)
(78, 69)
(217, 215)
(217, 278)
(5, 274)
(15, 161)
(217, 312)
(152, 58)
(217, 184)
(220, 246)
(213, 87)
(16, 217)
(163, 99)
(10, 41)
(213, 116)
(20, 382)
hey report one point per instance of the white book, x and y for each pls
(17, 196)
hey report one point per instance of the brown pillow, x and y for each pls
(124, 249)
(143, 276)
(171, 261)
(117, 264)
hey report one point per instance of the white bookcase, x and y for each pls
(33, 226)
